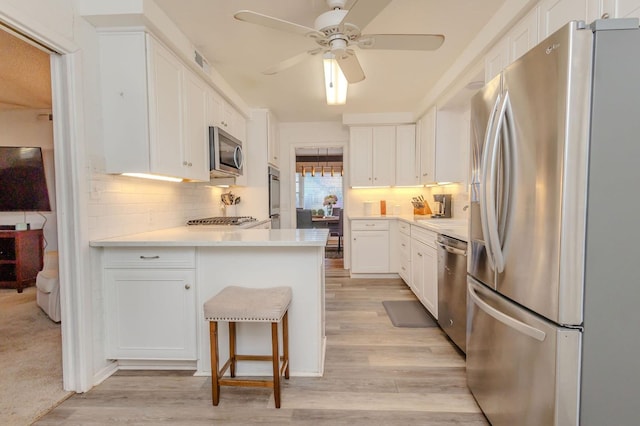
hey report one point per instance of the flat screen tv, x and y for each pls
(23, 186)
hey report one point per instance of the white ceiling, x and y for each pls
(395, 80)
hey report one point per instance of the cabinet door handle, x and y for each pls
(184, 163)
(187, 286)
(420, 254)
(149, 257)
(190, 164)
(403, 245)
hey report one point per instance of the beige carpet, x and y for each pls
(31, 359)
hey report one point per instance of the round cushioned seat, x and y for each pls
(242, 304)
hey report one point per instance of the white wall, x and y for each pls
(23, 128)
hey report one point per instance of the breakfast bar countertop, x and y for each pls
(203, 236)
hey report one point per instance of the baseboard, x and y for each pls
(381, 276)
(105, 373)
(135, 364)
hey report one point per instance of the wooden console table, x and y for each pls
(21, 255)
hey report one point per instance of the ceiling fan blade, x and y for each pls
(350, 67)
(401, 41)
(294, 60)
(362, 12)
(276, 24)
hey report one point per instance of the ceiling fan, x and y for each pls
(339, 29)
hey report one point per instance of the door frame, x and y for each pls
(71, 186)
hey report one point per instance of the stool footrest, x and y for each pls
(255, 358)
(246, 382)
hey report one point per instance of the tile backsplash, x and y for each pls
(120, 205)
(398, 200)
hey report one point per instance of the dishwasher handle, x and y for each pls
(452, 250)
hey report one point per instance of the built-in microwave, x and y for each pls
(225, 153)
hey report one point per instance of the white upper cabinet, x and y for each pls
(614, 8)
(523, 36)
(426, 134)
(452, 146)
(273, 140)
(554, 14)
(407, 160)
(224, 115)
(165, 101)
(372, 155)
(154, 109)
(496, 59)
(196, 127)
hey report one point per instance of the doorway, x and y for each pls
(34, 340)
(319, 193)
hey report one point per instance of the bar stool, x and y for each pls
(241, 304)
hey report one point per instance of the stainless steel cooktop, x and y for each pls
(222, 220)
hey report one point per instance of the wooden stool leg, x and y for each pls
(213, 341)
(232, 348)
(285, 342)
(276, 363)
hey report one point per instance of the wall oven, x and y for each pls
(274, 197)
(225, 153)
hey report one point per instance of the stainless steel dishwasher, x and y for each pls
(452, 289)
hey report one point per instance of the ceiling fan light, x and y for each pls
(335, 83)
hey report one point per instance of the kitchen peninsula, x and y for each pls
(155, 284)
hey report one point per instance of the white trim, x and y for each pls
(106, 372)
(18, 21)
(75, 291)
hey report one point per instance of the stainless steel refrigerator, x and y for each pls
(553, 310)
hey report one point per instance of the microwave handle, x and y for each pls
(238, 157)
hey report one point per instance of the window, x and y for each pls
(313, 189)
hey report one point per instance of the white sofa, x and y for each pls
(48, 286)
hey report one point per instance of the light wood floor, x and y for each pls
(375, 374)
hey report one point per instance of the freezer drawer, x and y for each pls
(522, 369)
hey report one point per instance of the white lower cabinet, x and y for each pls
(424, 266)
(370, 246)
(150, 304)
(404, 251)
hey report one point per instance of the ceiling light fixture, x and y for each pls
(335, 83)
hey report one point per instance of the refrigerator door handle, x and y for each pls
(508, 138)
(506, 319)
(486, 155)
(491, 208)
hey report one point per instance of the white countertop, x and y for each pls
(214, 236)
(456, 228)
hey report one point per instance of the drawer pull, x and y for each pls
(369, 224)
(187, 286)
(149, 257)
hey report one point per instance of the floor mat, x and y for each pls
(408, 313)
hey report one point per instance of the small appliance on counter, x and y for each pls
(442, 206)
